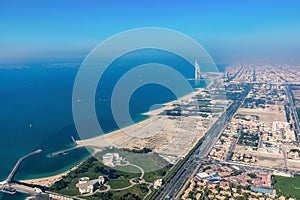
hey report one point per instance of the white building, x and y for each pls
(112, 159)
(85, 185)
(108, 159)
(157, 184)
(86, 188)
(3, 183)
(101, 180)
(84, 180)
(197, 73)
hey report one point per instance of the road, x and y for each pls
(232, 147)
(14, 187)
(270, 169)
(24, 189)
(293, 110)
(192, 161)
(233, 76)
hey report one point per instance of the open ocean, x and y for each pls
(36, 111)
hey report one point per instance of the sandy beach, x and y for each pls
(50, 180)
(170, 136)
(110, 139)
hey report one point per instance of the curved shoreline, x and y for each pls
(50, 180)
(113, 137)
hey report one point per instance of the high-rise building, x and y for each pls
(197, 73)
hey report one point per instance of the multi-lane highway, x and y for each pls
(193, 159)
(293, 110)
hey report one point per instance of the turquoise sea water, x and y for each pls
(36, 112)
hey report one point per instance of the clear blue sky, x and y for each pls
(231, 31)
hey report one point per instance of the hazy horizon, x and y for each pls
(230, 31)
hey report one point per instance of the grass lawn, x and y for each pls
(118, 177)
(136, 192)
(288, 186)
(147, 161)
(158, 174)
(70, 190)
(92, 168)
(154, 166)
(119, 183)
